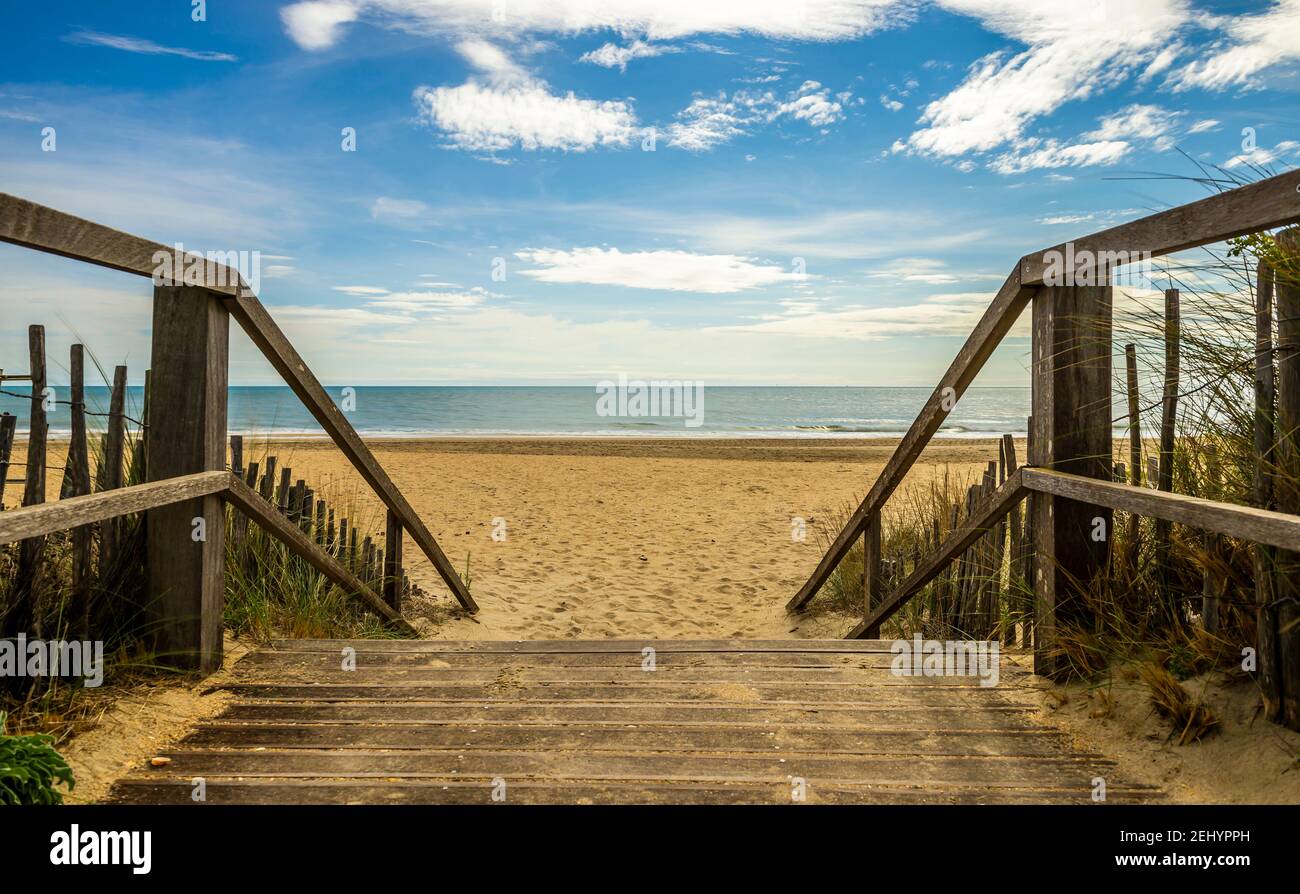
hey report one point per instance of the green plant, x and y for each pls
(31, 769)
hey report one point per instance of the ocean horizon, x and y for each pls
(404, 411)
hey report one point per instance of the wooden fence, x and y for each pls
(186, 423)
(1069, 476)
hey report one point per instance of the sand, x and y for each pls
(613, 538)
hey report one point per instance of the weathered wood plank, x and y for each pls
(1272, 202)
(187, 424)
(1071, 370)
(110, 471)
(1168, 424)
(34, 521)
(79, 467)
(1278, 529)
(634, 646)
(23, 617)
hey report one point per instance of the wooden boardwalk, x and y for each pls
(555, 721)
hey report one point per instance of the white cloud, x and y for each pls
(508, 107)
(388, 208)
(361, 290)
(892, 104)
(1036, 155)
(1137, 121)
(1060, 219)
(952, 314)
(680, 271)
(315, 24)
(1203, 126)
(710, 121)
(146, 47)
(1074, 51)
(1253, 44)
(430, 301)
(611, 55)
(1260, 156)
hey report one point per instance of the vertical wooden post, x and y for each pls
(871, 572)
(1265, 557)
(1027, 558)
(238, 521)
(1209, 585)
(187, 422)
(8, 425)
(1072, 433)
(1286, 484)
(393, 562)
(79, 464)
(1168, 419)
(1134, 452)
(110, 473)
(23, 617)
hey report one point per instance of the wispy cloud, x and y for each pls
(145, 47)
(679, 271)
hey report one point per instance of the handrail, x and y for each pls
(30, 225)
(1273, 202)
(47, 518)
(1264, 526)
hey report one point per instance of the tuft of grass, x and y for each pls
(1190, 719)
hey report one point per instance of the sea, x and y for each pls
(401, 411)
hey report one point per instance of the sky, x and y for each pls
(824, 192)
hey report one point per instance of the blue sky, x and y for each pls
(825, 192)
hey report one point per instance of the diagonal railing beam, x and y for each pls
(37, 227)
(1273, 202)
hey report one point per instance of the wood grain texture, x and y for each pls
(502, 721)
(1278, 529)
(61, 515)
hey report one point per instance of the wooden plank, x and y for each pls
(730, 792)
(110, 472)
(1134, 536)
(872, 572)
(1168, 423)
(1286, 484)
(975, 526)
(984, 717)
(79, 464)
(44, 229)
(8, 426)
(22, 616)
(731, 738)
(580, 646)
(1263, 559)
(393, 561)
(988, 333)
(967, 769)
(1071, 368)
(187, 423)
(36, 521)
(1268, 203)
(1278, 529)
(273, 522)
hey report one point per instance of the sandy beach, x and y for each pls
(615, 537)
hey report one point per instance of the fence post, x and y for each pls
(23, 616)
(393, 562)
(1265, 557)
(1287, 482)
(872, 582)
(79, 463)
(1165, 481)
(1071, 433)
(187, 427)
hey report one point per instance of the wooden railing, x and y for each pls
(1070, 437)
(187, 423)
